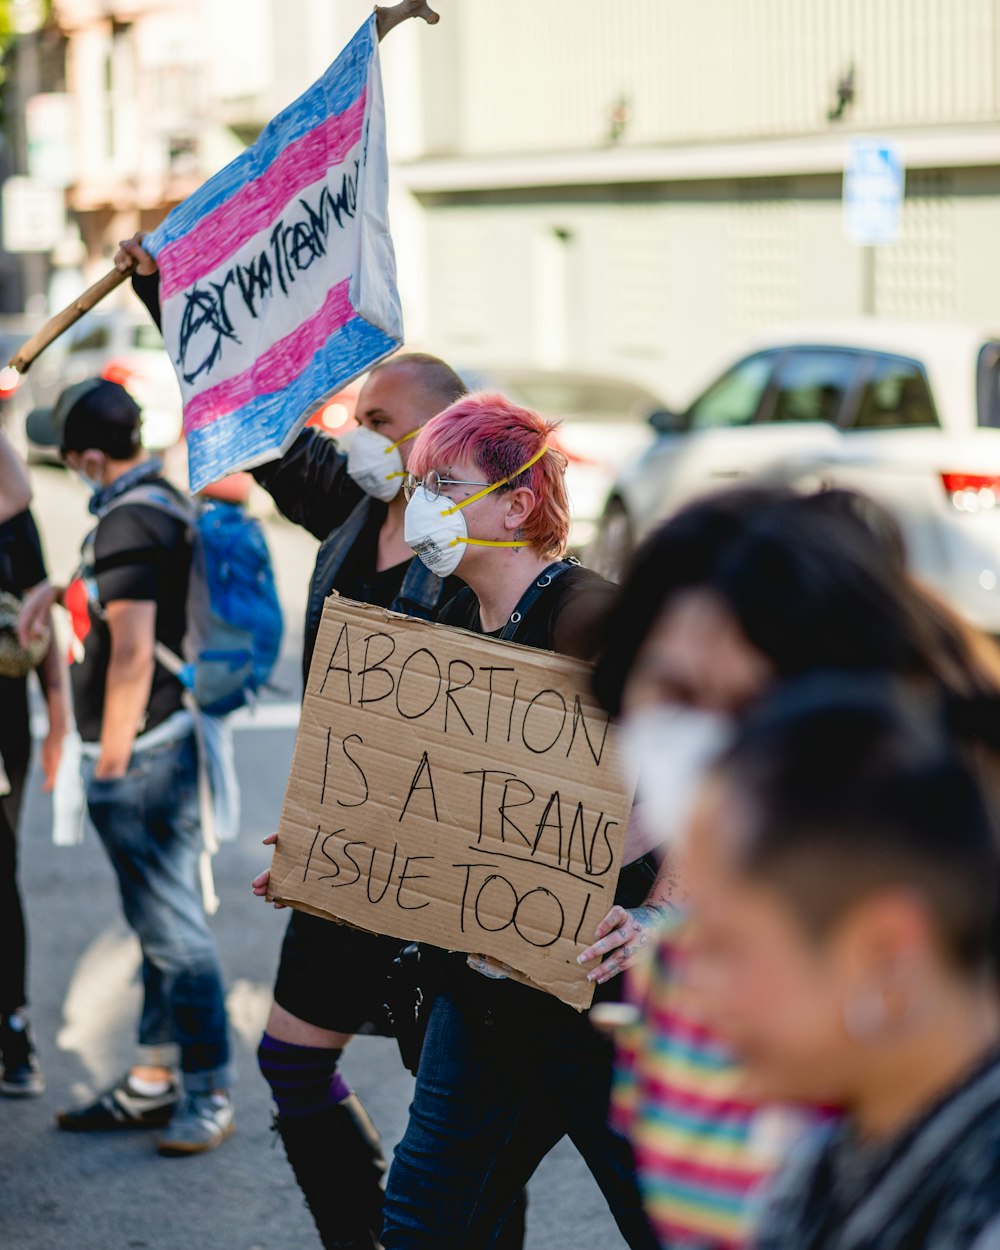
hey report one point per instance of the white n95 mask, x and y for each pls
(375, 463)
(673, 747)
(436, 530)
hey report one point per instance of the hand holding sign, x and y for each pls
(453, 789)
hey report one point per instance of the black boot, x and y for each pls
(337, 1159)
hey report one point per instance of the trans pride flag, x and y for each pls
(277, 276)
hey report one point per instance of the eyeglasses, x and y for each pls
(433, 483)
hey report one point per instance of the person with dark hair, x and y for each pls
(752, 586)
(724, 601)
(140, 766)
(843, 875)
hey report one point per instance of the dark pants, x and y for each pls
(504, 1074)
(15, 749)
(148, 822)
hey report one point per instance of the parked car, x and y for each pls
(908, 413)
(122, 346)
(605, 422)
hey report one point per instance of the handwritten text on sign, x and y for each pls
(453, 789)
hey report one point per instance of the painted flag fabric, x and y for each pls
(277, 276)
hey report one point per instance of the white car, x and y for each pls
(908, 413)
(604, 422)
(121, 346)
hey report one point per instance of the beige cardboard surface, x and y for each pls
(453, 789)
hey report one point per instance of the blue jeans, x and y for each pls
(148, 821)
(505, 1072)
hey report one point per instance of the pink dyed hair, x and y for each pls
(497, 435)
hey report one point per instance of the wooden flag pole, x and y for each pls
(386, 19)
(62, 321)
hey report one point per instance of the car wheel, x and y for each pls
(612, 546)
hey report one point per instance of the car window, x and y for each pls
(146, 338)
(811, 385)
(92, 338)
(735, 398)
(988, 386)
(896, 394)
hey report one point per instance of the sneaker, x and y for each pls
(121, 1106)
(22, 1076)
(202, 1122)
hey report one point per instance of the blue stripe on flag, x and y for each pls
(265, 422)
(342, 83)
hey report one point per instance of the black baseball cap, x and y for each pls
(93, 413)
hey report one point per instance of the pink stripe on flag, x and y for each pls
(257, 204)
(279, 365)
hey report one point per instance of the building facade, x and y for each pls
(638, 187)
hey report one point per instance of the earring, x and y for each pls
(865, 1013)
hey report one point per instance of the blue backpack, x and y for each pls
(234, 621)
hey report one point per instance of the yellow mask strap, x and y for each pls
(487, 542)
(496, 486)
(399, 441)
(393, 446)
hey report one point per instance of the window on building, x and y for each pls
(735, 398)
(896, 394)
(812, 383)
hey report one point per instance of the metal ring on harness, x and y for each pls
(515, 618)
(544, 581)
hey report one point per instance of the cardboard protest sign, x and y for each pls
(277, 276)
(453, 789)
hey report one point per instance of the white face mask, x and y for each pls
(436, 530)
(375, 463)
(93, 484)
(673, 747)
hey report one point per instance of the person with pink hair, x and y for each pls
(506, 1070)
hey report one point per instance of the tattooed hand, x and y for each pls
(623, 931)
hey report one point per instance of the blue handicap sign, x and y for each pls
(874, 184)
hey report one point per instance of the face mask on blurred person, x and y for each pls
(375, 463)
(92, 483)
(673, 747)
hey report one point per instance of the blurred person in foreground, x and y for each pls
(843, 867)
(503, 1063)
(22, 568)
(140, 767)
(729, 598)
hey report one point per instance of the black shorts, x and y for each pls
(333, 976)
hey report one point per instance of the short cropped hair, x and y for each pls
(499, 437)
(848, 785)
(435, 377)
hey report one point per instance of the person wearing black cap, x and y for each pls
(140, 764)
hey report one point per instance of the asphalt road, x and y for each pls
(61, 1191)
